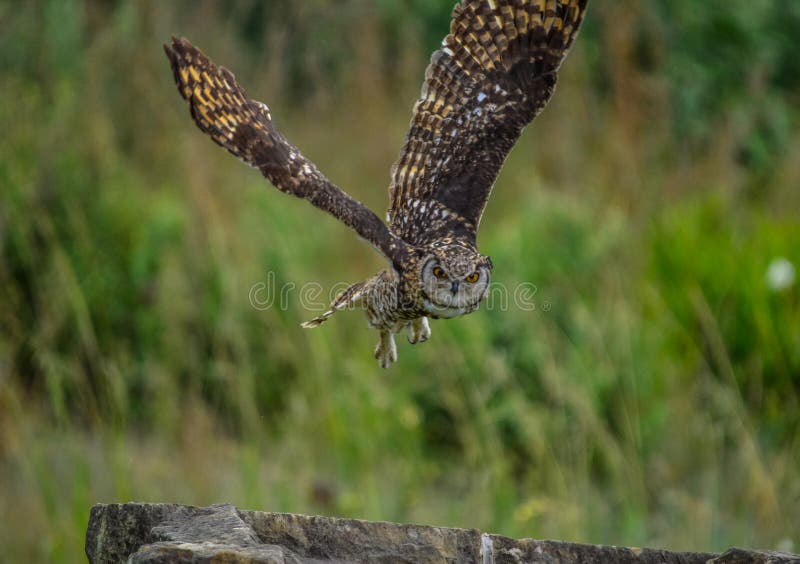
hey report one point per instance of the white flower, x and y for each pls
(780, 274)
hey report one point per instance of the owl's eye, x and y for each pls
(472, 278)
(439, 273)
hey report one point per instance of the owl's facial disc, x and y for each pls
(454, 283)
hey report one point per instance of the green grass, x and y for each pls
(651, 398)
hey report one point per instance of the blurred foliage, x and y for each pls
(650, 399)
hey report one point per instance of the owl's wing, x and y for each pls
(495, 72)
(244, 127)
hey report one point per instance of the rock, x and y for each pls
(153, 533)
(742, 556)
(212, 534)
(171, 533)
(508, 551)
(327, 539)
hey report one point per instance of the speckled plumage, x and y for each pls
(495, 72)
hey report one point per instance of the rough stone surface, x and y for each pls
(510, 551)
(153, 533)
(742, 556)
(350, 540)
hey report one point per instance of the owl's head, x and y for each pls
(454, 280)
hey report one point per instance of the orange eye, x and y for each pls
(472, 278)
(439, 273)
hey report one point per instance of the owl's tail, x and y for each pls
(348, 298)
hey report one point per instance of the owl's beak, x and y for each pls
(454, 286)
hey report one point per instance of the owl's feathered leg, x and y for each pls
(419, 331)
(386, 350)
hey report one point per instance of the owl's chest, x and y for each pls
(390, 301)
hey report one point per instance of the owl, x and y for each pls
(495, 71)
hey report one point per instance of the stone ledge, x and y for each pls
(155, 533)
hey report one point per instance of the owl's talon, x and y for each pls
(419, 331)
(386, 350)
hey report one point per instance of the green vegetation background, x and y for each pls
(650, 399)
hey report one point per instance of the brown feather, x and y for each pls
(220, 108)
(495, 72)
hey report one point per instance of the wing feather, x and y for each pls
(220, 108)
(495, 72)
